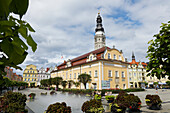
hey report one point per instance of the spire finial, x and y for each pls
(133, 56)
(99, 12)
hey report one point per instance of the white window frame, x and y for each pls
(123, 74)
(109, 73)
(109, 56)
(74, 75)
(120, 58)
(116, 73)
(95, 73)
(114, 56)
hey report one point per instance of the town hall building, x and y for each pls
(107, 66)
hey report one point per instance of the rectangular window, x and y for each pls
(129, 74)
(28, 71)
(120, 57)
(91, 57)
(116, 74)
(90, 73)
(35, 75)
(95, 75)
(25, 75)
(134, 74)
(123, 74)
(74, 75)
(25, 79)
(66, 75)
(33, 71)
(110, 73)
(108, 55)
(32, 79)
(28, 79)
(114, 56)
(85, 72)
(28, 75)
(32, 75)
(70, 76)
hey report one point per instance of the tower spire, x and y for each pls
(99, 38)
(133, 56)
(99, 26)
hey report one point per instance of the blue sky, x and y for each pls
(67, 27)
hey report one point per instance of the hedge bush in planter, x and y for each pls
(110, 98)
(92, 106)
(153, 102)
(59, 108)
(13, 102)
(32, 95)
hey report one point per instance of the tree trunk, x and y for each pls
(85, 85)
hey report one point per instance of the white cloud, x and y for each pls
(67, 27)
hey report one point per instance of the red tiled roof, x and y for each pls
(82, 59)
(134, 62)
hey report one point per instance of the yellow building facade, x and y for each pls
(105, 65)
(30, 74)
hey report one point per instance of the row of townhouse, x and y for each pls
(33, 75)
(11, 75)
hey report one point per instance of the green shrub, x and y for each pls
(59, 108)
(13, 102)
(92, 106)
(109, 97)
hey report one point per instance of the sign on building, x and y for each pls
(105, 84)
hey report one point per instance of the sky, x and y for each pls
(67, 27)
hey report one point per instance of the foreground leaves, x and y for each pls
(159, 53)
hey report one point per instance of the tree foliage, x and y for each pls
(84, 78)
(14, 34)
(159, 53)
(64, 84)
(57, 81)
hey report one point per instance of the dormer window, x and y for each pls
(91, 58)
(108, 55)
(120, 57)
(114, 56)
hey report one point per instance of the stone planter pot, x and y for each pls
(155, 107)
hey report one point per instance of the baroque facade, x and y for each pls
(137, 73)
(107, 66)
(30, 74)
(44, 74)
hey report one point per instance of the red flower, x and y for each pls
(130, 107)
(139, 103)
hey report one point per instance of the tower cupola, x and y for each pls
(99, 38)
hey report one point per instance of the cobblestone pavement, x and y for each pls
(163, 93)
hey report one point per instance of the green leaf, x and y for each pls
(7, 23)
(17, 47)
(23, 31)
(31, 43)
(4, 8)
(19, 7)
(30, 28)
(20, 42)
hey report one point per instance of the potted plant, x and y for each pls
(32, 95)
(134, 103)
(92, 106)
(110, 98)
(44, 93)
(58, 108)
(52, 92)
(153, 102)
(120, 103)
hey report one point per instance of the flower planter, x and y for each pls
(155, 107)
(153, 102)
